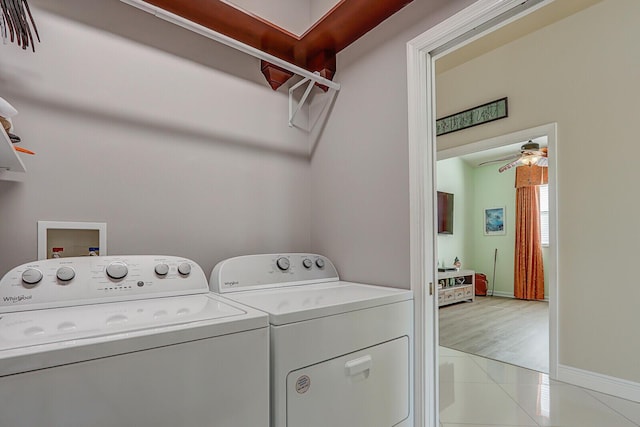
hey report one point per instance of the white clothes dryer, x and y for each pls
(341, 352)
(128, 341)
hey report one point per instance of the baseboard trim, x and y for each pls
(500, 294)
(508, 295)
(602, 383)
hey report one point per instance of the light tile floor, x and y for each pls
(480, 392)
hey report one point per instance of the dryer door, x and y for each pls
(369, 388)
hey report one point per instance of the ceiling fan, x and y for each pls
(530, 154)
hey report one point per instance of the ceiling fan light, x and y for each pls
(527, 161)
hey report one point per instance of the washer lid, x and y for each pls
(40, 339)
(110, 321)
(299, 303)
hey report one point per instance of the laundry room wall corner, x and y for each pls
(360, 166)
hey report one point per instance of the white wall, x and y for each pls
(319, 8)
(582, 73)
(360, 163)
(295, 16)
(176, 157)
(291, 15)
(187, 159)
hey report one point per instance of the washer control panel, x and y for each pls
(270, 271)
(61, 282)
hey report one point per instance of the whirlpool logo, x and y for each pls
(17, 299)
(234, 283)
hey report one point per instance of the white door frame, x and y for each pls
(422, 158)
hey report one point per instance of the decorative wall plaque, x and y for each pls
(484, 113)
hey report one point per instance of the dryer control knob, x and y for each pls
(31, 276)
(307, 263)
(283, 263)
(117, 270)
(320, 263)
(184, 269)
(162, 269)
(65, 274)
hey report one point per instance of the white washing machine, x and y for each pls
(128, 341)
(341, 352)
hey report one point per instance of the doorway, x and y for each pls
(495, 326)
(479, 19)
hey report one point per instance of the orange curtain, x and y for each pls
(529, 273)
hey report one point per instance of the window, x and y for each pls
(544, 214)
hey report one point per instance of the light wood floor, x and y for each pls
(505, 329)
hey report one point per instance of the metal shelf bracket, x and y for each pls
(292, 112)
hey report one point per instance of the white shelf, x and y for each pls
(9, 159)
(463, 290)
(455, 273)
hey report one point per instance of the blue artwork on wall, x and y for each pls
(494, 221)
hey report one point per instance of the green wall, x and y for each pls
(494, 189)
(456, 176)
(476, 189)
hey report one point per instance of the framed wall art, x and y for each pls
(494, 220)
(481, 114)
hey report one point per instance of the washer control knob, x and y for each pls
(184, 269)
(283, 263)
(65, 274)
(117, 270)
(32, 276)
(162, 269)
(320, 263)
(307, 263)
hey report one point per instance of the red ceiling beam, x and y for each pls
(315, 50)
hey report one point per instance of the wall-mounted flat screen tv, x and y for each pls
(445, 213)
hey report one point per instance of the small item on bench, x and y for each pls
(14, 138)
(24, 150)
(457, 263)
(6, 123)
